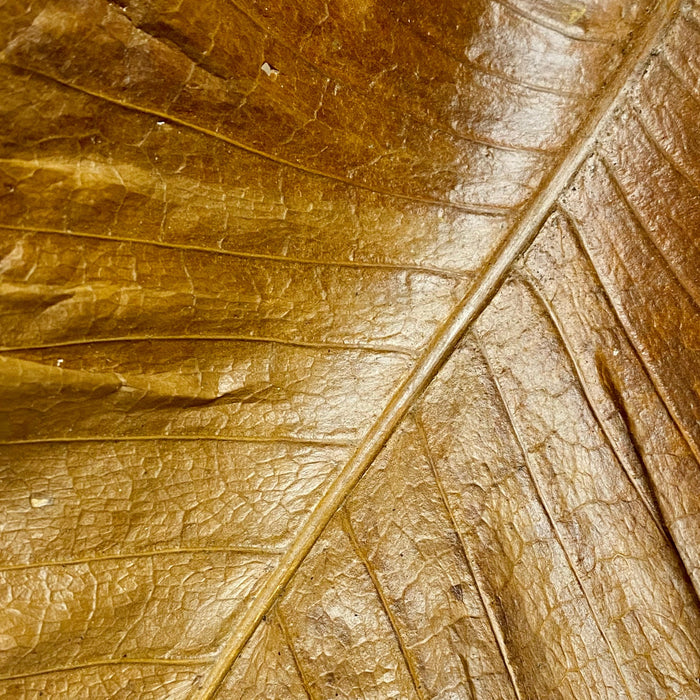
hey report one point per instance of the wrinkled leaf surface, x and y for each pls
(349, 349)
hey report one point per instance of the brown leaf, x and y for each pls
(349, 349)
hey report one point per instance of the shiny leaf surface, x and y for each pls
(349, 349)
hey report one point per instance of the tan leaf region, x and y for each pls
(350, 349)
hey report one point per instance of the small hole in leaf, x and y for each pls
(40, 500)
(457, 591)
(269, 70)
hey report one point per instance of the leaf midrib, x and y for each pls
(441, 346)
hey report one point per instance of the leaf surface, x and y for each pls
(349, 349)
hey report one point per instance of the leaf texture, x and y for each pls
(349, 349)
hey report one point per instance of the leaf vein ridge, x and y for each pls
(649, 371)
(262, 339)
(473, 208)
(530, 283)
(641, 225)
(490, 616)
(234, 549)
(550, 516)
(409, 662)
(550, 24)
(290, 643)
(156, 661)
(440, 272)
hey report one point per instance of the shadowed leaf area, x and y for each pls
(350, 349)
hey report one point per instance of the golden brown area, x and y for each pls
(349, 349)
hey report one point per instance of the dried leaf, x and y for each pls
(349, 349)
